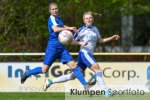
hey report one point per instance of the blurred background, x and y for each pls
(23, 23)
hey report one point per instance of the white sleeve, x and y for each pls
(98, 33)
(54, 23)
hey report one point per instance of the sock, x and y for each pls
(62, 78)
(34, 71)
(100, 80)
(79, 76)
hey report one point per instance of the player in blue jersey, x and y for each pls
(55, 50)
(91, 35)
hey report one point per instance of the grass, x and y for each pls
(32, 96)
(63, 96)
(115, 97)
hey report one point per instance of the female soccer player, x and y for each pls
(55, 50)
(91, 35)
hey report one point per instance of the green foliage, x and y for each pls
(23, 23)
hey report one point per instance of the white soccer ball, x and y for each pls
(65, 37)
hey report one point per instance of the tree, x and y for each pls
(24, 23)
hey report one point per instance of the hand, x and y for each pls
(83, 43)
(115, 37)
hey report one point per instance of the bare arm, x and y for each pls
(104, 40)
(74, 42)
(59, 29)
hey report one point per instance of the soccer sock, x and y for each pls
(34, 71)
(62, 78)
(79, 76)
(100, 80)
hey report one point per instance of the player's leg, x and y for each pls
(50, 57)
(63, 78)
(98, 75)
(90, 61)
(35, 71)
(66, 58)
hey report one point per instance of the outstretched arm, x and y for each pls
(104, 40)
(59, 29)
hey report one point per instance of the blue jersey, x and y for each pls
(53, 36)
(55, 50)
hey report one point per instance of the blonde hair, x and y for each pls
(87, 13)
(92, 14)
(52, 4)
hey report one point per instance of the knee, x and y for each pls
(72, 65)
(96, 68)
(45, 69)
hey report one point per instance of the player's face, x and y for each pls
(54, 10)
(88, 20)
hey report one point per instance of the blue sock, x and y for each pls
(79, 75)
(34, 71)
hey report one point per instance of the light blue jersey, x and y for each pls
(89, 35)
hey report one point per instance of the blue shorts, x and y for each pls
(52, 54)
(85, 60)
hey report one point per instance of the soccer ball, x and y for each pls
(65, 37)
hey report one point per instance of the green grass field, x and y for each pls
(62, 96)
(32, 96)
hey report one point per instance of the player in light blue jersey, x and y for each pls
(91, 35)
(55, 50)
